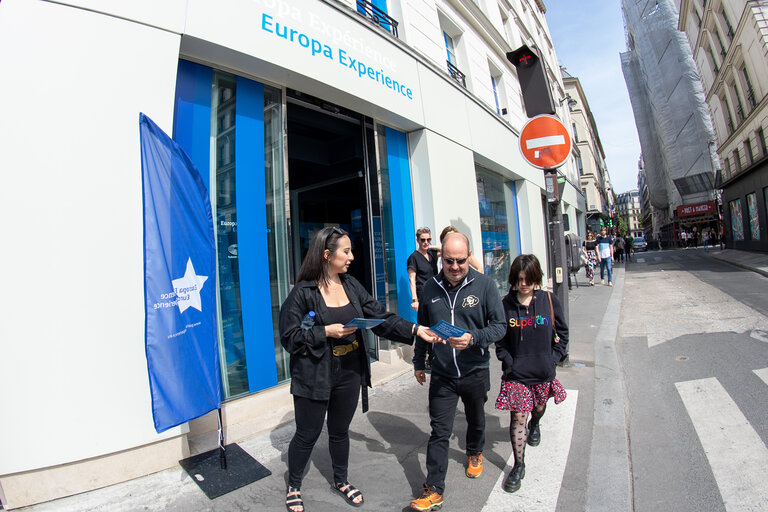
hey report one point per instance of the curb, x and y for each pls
(610, 475)
(741, 265)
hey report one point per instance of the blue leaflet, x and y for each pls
(446, 330)
(364, 323)
(179, 283)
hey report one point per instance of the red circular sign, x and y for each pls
(545, 142)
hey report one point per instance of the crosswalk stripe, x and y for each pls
(762, 373)
(640, 260)
(736, 453)
(544, 464)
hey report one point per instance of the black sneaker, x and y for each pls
(514, 480)
(534, 434)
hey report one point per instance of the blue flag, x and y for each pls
(179, 283)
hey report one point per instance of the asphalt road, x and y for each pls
(693, 348)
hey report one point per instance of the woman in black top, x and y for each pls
(529, 352)
(422, 264)
(329, 362)
(589, 248)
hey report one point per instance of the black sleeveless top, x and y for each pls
(342, 315)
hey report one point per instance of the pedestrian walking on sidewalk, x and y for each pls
(329, 362)
(618, 246)
(461, 296)
(589, 248)
(535, 342)
(605, 255)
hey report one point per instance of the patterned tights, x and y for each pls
(518, 432)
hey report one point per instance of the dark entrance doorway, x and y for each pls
(329, 168)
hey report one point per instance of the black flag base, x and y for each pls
(217, 472)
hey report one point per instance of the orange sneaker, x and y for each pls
(475, 465)
(429, 500)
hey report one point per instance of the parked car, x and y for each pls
(639, 244)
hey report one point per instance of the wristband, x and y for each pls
(414, 329)
(414, 300)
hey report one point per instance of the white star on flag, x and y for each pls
(192, 282)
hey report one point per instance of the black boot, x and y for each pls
(513, 481)
(534, 434)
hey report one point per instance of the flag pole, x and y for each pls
(222, 450)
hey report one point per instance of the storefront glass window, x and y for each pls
(237, 348)
(277, 236)
(498, 225)
(386, 227)
(737, 222)
(754, 222)
(225, 212)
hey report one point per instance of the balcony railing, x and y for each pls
(377, 17)
(751, 98)
(739, 114)
(456, 74)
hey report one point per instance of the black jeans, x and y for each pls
(444, 394)
(345, 391)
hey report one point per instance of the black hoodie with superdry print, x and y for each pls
(528, 351)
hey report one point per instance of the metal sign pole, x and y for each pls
(557, 236)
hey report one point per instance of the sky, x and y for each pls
(588, 37)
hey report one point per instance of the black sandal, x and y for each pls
(293, 502)
(350, 493)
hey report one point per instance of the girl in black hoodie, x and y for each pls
(529, 352)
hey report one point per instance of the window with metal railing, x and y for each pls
(720, 42)
(750, 92)
(748, 151)
(728, 25)
(713, 61)
(455, 72)
(760, 136)
(377, 15)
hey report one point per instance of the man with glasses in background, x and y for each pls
(469, 300)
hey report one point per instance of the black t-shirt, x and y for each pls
(589, 245)
(424, 269)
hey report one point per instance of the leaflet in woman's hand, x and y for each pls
(364, 323)
(446, 330)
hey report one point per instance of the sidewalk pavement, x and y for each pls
(754, 261)
(388, 444)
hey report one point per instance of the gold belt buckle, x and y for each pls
(341, 350)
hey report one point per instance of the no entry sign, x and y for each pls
(545, 142)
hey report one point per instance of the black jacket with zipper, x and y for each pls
(476, 308)
(311, 352)
(528, 352)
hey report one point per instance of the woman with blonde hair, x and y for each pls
(474, 261)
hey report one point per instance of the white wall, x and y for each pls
(74, 378)
(443, 174)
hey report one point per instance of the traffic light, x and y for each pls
(533, 81)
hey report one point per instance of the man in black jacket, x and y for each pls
(469, 300)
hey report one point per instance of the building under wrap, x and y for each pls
(671, 115)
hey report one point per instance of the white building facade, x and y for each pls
(628, 207)
(730, 44)
(590, 157)
(379, 118)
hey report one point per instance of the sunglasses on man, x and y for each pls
(451, 261)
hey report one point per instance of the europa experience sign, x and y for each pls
(340, 56)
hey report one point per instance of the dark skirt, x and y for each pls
(517, 397)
